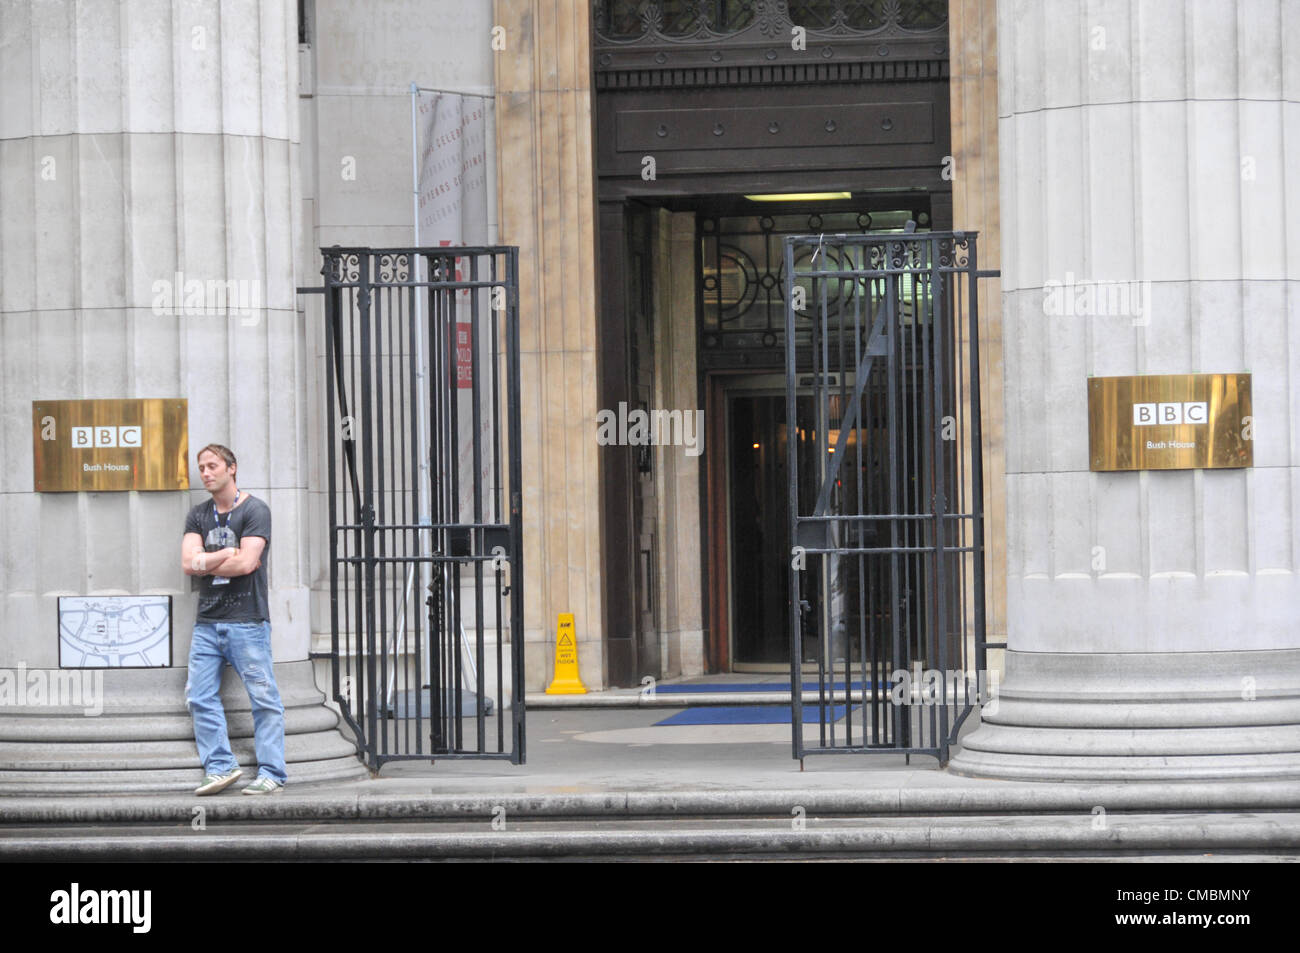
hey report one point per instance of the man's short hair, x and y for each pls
(225, 453)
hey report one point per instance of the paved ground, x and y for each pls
(593, 749)
(607, 750)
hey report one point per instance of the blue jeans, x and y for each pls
(246, 646)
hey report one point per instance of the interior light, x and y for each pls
(755, 446)
(799, 196)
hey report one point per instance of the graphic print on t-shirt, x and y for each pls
(219, 537)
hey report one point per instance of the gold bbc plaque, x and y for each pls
(104, 445)
(1170, 422)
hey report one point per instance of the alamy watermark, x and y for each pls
(77, 905)
(194, 297)
(651, 428)
(54, 688)
(1094, 297)
(934, 687)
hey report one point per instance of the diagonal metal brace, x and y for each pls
(876, 347)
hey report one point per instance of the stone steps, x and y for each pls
(1260, 819)
(142, 738)
(804, 837)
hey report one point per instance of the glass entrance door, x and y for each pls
(759, 547)
(759, 525)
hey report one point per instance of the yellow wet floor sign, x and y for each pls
(566, 680)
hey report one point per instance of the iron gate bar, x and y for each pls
(938, 503)
(376, 548)
(934, 593)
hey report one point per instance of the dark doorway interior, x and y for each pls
(758, 479)
(758, 527)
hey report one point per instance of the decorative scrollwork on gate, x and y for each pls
(908, 254)
(395, 267)
(341, 268)
(954, 252)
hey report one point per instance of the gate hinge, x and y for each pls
(435, 591)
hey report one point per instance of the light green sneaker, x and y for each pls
(264, 785)
(216, 783)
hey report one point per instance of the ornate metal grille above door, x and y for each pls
(720, 34)
(743, 286)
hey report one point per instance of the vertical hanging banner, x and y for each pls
(452, 210)
(453, 169)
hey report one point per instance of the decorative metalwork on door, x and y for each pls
(742, 280)
(426, 572)
(887, 525)
(712, 33)
(677, 19)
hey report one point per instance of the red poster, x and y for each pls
(464, 355)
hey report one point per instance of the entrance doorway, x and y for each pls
(758, 522)
(758, 527)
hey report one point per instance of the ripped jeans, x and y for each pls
(246, 646)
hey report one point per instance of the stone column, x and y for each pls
(547, 208)
(679, 569)
(1152, 616)
(144, 143)
(973, 93)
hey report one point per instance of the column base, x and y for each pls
(142, 739)
(1189, 716)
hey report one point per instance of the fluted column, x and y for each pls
(142, 144)
(1152, 616)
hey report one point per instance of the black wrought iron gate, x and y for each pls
(886, 491)
(426, 571)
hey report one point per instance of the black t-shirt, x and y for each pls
(238, 598)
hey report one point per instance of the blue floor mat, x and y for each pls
(725, 687)
(747, 715)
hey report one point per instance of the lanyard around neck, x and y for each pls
(217, 515)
